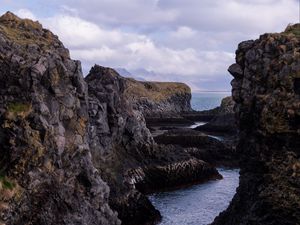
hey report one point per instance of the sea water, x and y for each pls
(207, 100)
(198, 204)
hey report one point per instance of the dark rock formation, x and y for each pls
(170, 169)
(58, 142)
(159, 101)
(201, 146)
(223, 120)
(204, 116)
(119, 142)
(47, 172)
(266, 91)
(127, 157)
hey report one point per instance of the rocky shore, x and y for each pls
(75, 150)
(78, 150)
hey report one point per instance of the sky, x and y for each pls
(190, 41)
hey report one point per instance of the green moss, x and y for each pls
(6, 184)
(293, 29)
(18, 110)
(18, 107)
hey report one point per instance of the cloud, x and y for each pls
(25, 13)
(183, 33)
(191, 41)
(116, 48)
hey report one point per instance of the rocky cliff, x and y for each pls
(60, 135)
(125, 154)
(159, 99)
(266, 89)
(47, 173)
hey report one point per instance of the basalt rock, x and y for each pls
(201, 146)
(266, 91)
(119, 141)
(47, 173)
(124, 152)
(170, 169)
(223, 121)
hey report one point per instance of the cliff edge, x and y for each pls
(47, 173)
(266, 90)
(159, 99)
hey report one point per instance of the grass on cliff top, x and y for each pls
(293, 29)
(24, 31)
(156, 91)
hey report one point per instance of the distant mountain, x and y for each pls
(123, 72)
(132, 74)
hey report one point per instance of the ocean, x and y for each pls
(198, 204)
(207, 100)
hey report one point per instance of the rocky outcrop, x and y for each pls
(125, 154)
(119, 141)
(201, 146)
(266, 91)
(47, 173)
(61, 135)
(223, 120)
(172, 168)
(159, 100)
(204, 116)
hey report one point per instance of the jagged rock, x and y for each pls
(268, 112)
(200, 146)
(223, 121)
(45, 153)
(118, 138)
(129, 160)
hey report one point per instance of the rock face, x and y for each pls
(119, 142)
(159, 99)
(127, 157)
(61, 135)
(223, 120)
(47, 173)
(267, 94)
(201, 146)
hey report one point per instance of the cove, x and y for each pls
(198, 204)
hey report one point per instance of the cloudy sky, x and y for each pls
(191, 41)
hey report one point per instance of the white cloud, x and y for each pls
(25, 13)
(92, 44)
(183, 33)
(189, 40)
